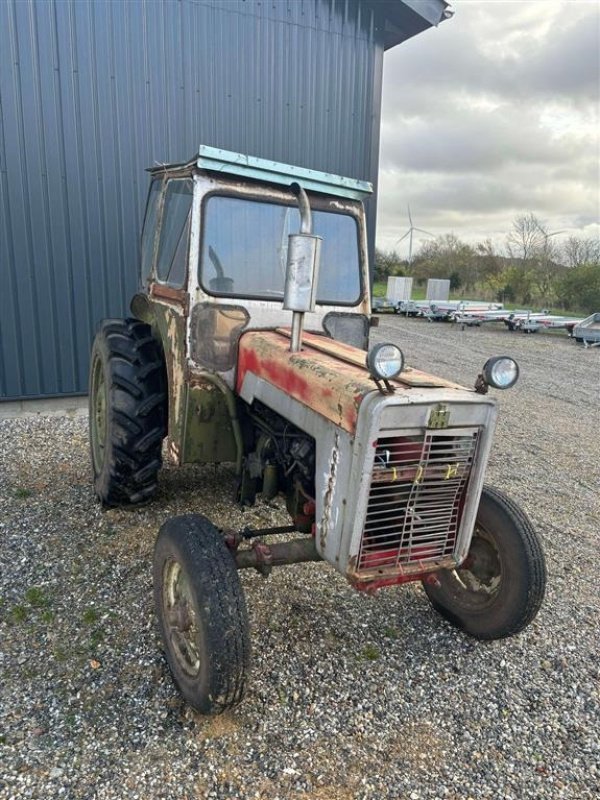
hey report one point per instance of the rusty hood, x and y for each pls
(328, 376)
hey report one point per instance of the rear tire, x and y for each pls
(499, 588)
(201, 613)
(128, 411)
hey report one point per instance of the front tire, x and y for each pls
(128, 411)
(201, 613)
(499, 588)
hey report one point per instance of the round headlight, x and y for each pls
(501, 372)
(385, 361)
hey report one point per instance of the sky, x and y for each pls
(493, 114)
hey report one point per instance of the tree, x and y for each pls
(526, 238)
(532, 250)
(580, 288)
(446, 257)
(579, 250)
(387, 262)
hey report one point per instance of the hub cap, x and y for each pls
(98, 415)
(180, 618)
(478, 580)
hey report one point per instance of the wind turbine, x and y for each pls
(547, 235)
(409, 233)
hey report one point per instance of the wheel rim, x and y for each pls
(180, 617)
(98, 416)
(477, 582)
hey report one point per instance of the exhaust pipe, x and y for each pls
(302, 271)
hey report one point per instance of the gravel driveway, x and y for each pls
(349, 696)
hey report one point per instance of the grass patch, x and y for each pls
(60, 653)
(36, 597)
(97, 637)
(90, 616)
(19, 614)
(370, 652)
(22, 493)
(47, 616)
(391, 633)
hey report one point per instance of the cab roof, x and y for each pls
(213, 159)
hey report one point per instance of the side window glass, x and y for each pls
(176, 275)
(174, 233)
(150, 222)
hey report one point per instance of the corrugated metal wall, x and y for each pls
(91, 93)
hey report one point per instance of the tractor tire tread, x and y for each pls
(211, 570)
(137, 411)
(524, 552)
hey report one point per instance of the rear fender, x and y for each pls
(168, 323)
(203, 424)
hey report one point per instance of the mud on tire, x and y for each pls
(128, 411)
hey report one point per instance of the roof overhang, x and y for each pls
(403, 19)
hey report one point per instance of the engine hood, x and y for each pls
(327, 376)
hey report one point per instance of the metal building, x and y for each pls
(92, 93)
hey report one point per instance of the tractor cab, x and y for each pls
(215, 250)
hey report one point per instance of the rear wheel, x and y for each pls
(127, 411)
(499, 588)
(201, 613)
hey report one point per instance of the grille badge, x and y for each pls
(439, 417)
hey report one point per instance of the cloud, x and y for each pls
(471, 139)
(493, 114)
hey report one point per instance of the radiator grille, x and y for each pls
(416, 498)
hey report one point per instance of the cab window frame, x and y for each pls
(185, 231)
(317, 204)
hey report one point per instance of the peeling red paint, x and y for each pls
(317, 379)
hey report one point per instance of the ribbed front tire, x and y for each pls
(127, 411)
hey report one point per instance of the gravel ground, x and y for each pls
(349, 696)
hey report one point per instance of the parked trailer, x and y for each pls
(436, 310)
(399, 290)
(533, 322)
(524, 320)
(588, 330)
(470, 318)
(447, 311)
(438, 290)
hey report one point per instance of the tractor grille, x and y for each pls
(416, 498)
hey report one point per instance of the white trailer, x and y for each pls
(399, 289)
(438, 289)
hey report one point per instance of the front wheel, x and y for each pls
(201, 613)
(498, 590)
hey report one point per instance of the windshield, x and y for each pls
(244, 250)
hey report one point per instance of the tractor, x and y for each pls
(248, 342)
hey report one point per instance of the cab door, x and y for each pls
(167, 289)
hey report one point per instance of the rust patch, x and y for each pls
(333, 388)
(374, 578)
(162, 292)
(327, 520)
(356, 357)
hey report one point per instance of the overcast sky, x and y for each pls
(493, 114)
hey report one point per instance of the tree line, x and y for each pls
(533, 268)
